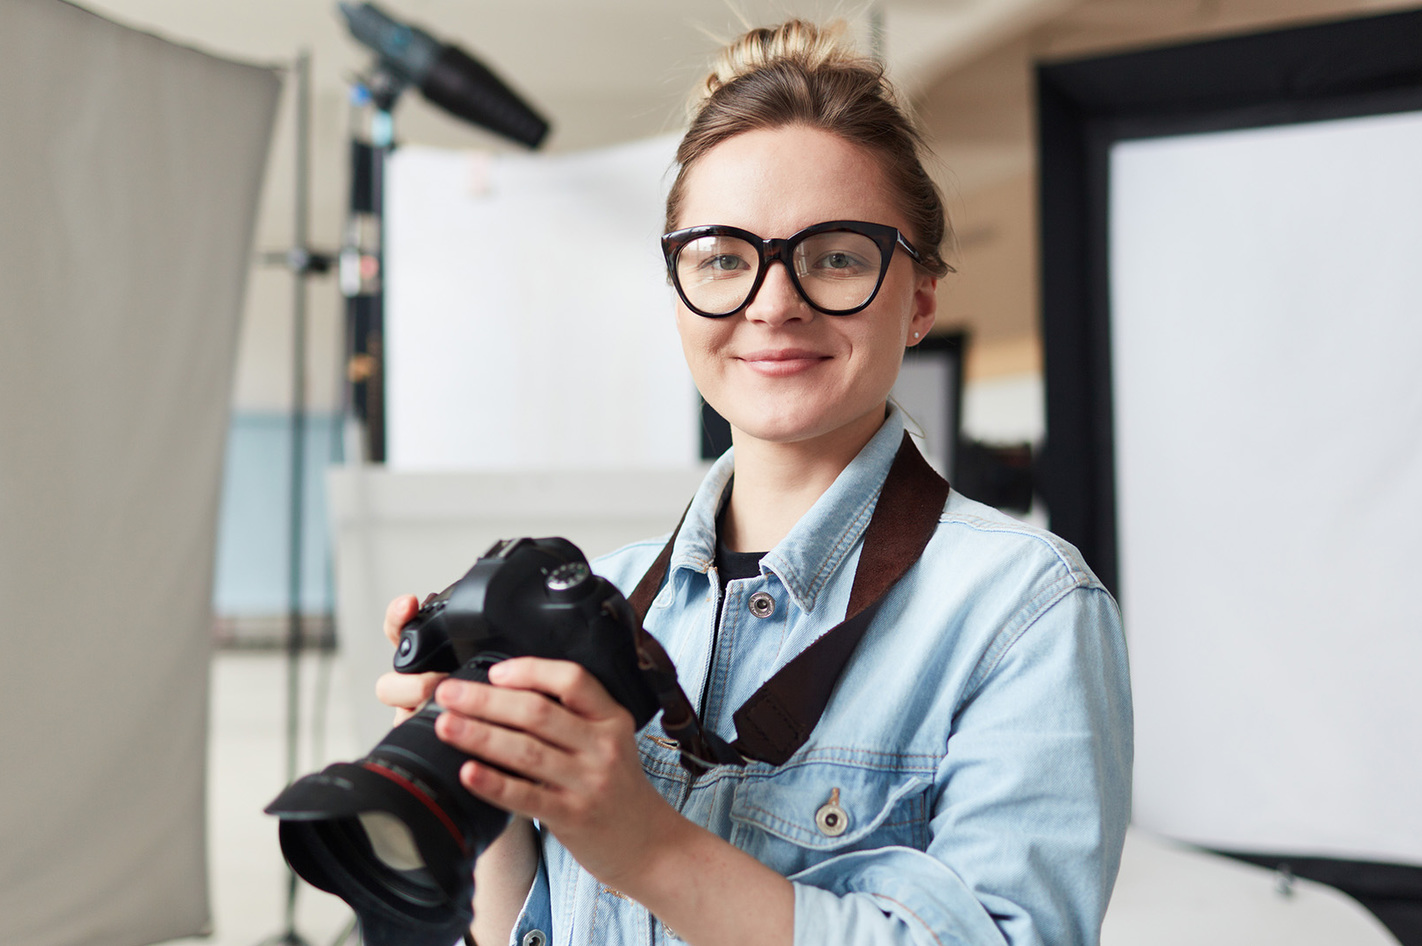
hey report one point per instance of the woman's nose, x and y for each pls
(777, 300)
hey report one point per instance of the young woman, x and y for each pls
(968, 779)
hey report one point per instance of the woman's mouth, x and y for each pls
(781, 362)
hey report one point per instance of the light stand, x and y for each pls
(303, 263)
(362, 265)
(455, 81)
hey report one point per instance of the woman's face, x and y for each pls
(778, 370)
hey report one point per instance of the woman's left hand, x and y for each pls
(570, 757)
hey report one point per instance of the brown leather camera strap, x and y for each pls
(778, 718)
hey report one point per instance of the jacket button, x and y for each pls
(762, 605)
(534, 938)
(831, 819)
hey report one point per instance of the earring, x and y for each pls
(915, 335)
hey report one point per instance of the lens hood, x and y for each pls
(325, 840)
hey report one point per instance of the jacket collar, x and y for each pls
(818, 545)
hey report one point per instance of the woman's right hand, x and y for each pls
(407, 692)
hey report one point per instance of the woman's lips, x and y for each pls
(780, 362)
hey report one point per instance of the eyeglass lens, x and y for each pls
(835, 271)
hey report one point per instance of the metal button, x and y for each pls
(831, 819)
(534, 938)
(762, 605)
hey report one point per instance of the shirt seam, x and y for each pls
(910, 911)
(1014, 631)
(1073, 567)
(832, 562)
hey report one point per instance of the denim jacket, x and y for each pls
(969, 781)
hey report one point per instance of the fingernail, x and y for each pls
(498, 672)
(448, 691)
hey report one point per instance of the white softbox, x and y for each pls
(529, 324)
(131, 169)
(1267, 328)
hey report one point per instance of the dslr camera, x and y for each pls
(394, 834)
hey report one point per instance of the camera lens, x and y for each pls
(391, 840)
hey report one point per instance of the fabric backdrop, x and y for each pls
(129, 175)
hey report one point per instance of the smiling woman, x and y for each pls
(780, 371)
(928, 701)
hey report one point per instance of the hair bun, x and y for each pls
(801, 74)
(805, 44)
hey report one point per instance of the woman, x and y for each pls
(968, 780)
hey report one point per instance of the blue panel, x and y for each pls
(253, 543)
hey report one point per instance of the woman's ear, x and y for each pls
(925, 307)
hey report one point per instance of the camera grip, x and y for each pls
(423, 649)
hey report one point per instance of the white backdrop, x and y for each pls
(528, 318)
(1266, 321)
(129, 174)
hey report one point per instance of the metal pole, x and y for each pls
(298, 445)
(300, 244)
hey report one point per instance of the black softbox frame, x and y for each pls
(1330, 70)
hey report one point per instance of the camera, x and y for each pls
(394, 834)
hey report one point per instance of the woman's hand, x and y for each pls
(569, 752)
(407, 692)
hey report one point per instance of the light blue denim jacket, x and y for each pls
(978, 743)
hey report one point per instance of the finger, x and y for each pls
(518, 753)
(406, 691)
(569, 683)
(526, 711)
(398, 614)
(501, 789)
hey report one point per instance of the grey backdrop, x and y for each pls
(129, 174)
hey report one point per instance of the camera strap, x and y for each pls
(779, 717)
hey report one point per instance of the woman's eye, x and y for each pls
(840, 263)
(724, 263)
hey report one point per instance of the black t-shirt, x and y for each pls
(732, 565)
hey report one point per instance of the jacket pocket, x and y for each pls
(797, 816)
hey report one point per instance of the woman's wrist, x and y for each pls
(709, 891)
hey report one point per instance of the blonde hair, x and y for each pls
(798, 73)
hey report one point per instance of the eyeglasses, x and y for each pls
(837, 266)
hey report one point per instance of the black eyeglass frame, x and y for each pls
(779, 249)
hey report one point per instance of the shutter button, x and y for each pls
(831, 819)
(762, 605)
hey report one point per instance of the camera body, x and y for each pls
(531, 598)
(395, 835)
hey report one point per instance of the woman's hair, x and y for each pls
(801, 74)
